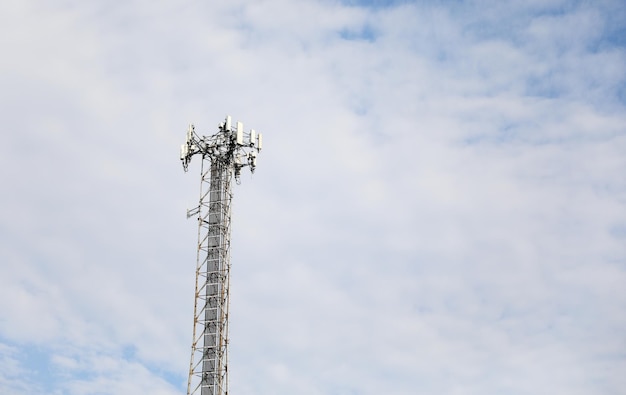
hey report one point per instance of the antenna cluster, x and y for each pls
(229, 146)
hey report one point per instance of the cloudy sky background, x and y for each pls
(440, 206)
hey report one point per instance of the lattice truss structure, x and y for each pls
(223, 154)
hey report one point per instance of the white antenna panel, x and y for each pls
(189, 133)
(252, 137)
(240, 133)
(227, 126)
(260, 141)
(183, 151)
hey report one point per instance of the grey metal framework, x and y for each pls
(224, 154)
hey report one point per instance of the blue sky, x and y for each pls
(439, 208)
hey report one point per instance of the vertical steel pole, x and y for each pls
(209, 350)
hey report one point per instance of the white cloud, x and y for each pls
(16, 378)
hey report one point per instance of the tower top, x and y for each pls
(230, 146)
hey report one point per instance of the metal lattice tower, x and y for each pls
(224, 154)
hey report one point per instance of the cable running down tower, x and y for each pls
(224, 154)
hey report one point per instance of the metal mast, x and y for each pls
(224, 154)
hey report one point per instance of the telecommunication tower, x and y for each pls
(223, 154)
